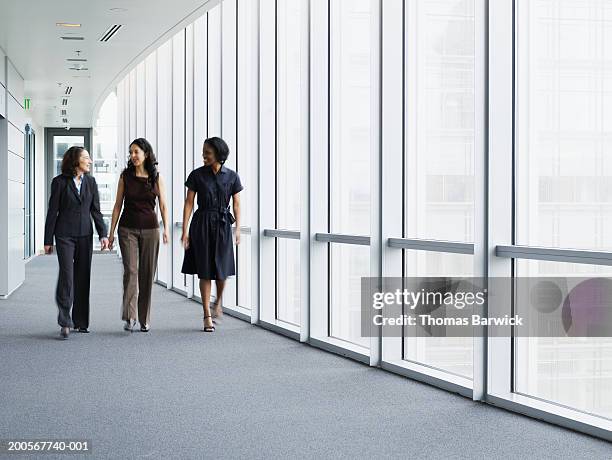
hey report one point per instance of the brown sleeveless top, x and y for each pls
(138, 202)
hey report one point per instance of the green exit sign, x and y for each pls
(26, 103)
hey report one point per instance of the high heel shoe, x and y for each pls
(208, 328)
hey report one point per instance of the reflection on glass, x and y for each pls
(214, 72)
(440, 120)
(290, 114)
(60, 145)
(350, 117)
(105, 158)
(349, 264)
(290, 135)
(564, 181)
(243, 272)
(439, 157)
(349, 188)
(288, 281)
(572, 371)
(451, 354)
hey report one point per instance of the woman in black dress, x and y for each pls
(209, 251)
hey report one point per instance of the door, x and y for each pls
(58, 140)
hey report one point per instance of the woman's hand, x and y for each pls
(48, 249)
(111, 242)
(237, 235)
(165, 237)
(185, 240)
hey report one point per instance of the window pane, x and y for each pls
(243, 266)
(247, 138)
(350, 116)
(349, 264)
(572, 371)
(440, 120)
(291, 83)
(164, 140)
(60, 145)
(564, 90)
(290, 112)
(214, 72)
(288, 281)
(451, 354)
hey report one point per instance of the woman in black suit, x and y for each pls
(73, 202)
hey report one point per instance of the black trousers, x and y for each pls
(74, 257)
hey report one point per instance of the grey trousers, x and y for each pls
(74, 257)
(139, 250)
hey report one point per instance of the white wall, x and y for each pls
(12, 180)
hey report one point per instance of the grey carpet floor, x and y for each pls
(242, 392)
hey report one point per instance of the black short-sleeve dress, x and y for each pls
(210, 254)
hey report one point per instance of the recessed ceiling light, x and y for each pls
(67, 24)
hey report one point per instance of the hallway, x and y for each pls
(240, 392)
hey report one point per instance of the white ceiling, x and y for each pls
(30, 37)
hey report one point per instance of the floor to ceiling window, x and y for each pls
(105, 154)
(412, 138)
(351, 69)
(439, 158)
(291, 130)
(563, 182)
(247, 142)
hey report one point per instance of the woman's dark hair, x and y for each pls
(150, 163)
(71, 160)
(219, 147)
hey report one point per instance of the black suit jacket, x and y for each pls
(69, 212)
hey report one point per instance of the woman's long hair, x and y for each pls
(150, 163)
(71, 160)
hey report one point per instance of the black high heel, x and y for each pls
(208, 328)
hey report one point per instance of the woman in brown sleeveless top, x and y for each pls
(139, 188)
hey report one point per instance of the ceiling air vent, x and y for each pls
(110, 32)
(68, 90)
(76, 60)
(72, 38)
(64, 120)
(64, 101)
(63, 112)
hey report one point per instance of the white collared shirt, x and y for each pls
(78, 183)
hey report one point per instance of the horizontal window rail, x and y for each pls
(285, 234)
(575, 256)
(342, 239)
(432, 245)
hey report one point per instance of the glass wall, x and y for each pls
(291, 85)
(247, 80)
(361, 130)
(105, 167)
(439, 157)
(350, 115)
(564, 182)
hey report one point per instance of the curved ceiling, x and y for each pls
(31, 37)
